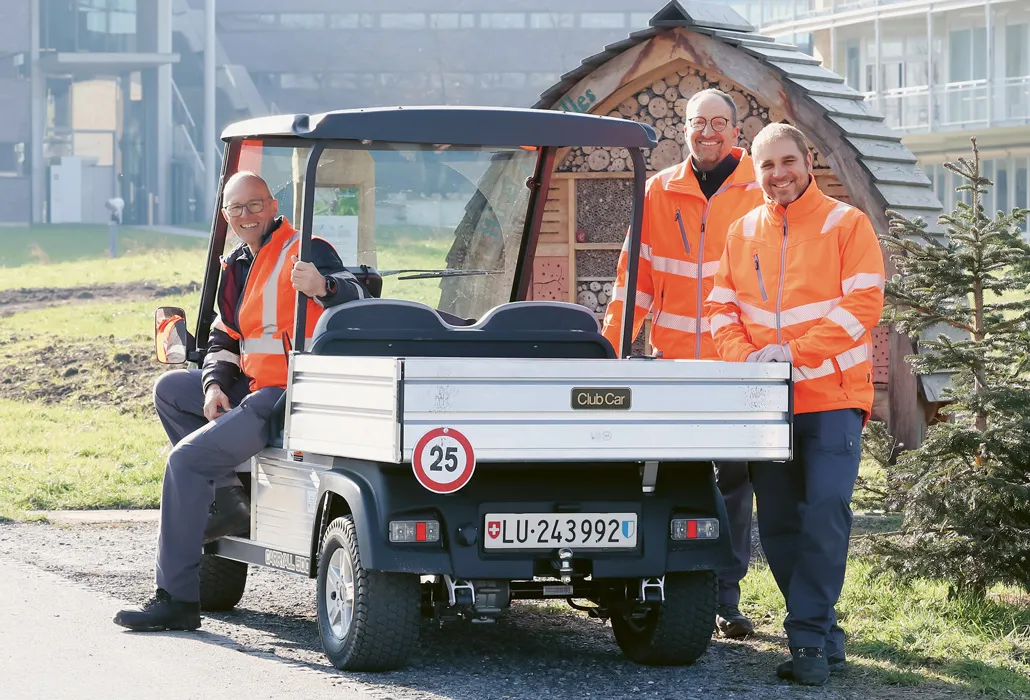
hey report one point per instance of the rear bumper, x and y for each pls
(377, 494)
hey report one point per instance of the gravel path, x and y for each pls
(535, 651)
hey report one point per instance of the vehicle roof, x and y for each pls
(460, 126)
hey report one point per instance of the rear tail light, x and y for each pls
(694, 529)
(414, 531)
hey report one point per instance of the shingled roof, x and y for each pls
(891, 166)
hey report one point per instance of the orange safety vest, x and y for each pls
(809, 276)
(267, 311)
(682, 239)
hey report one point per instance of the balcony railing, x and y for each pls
(960, 105)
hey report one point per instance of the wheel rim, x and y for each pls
(339, 593)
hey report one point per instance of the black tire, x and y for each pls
(385, 614)
(679, 630)
(222, 582)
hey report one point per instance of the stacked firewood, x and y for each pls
(594, 294)
(663, 105)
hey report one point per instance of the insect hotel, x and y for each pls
(649, 77)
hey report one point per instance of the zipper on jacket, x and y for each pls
(761, 284)
(783, 272)
(683, 231)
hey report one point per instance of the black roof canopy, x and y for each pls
(459, 126)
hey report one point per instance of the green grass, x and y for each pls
(46, 244)
(118, 319)
(64, 457)
(915, 635)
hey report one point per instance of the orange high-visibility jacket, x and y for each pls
(682, 240)
(809, 276)
(267, 311)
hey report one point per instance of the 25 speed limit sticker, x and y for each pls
(443, 460)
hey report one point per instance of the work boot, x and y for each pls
(809, 666)
(162, 612)
(229, 514)
(732, 623)
(837, 662)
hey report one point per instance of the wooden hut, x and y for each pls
(648, 77)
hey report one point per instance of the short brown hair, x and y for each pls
(777, 131)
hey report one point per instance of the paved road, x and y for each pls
(57, 641)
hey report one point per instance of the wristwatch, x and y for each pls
(330, 285)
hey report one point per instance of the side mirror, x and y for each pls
(170, 335)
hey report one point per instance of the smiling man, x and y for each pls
(216, 418)
(687, 210)
(801, 281)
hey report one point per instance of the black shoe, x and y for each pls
(732, 623)
(229, 514)
(838, 662)
(809, 666)
(162, 612)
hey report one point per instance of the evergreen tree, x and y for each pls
(965, 492)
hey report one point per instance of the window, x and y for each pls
(967, 54)
(552, 20)
(405, 20)
(303, 20)
(602, 20)
(853, 65)
(1017, 54)
(452, 20)
(240, 22)
(12, 155)
(502, 20)
(1001, 186)
(542, 80)
(640, 20)
(348, 20)
(304, 81)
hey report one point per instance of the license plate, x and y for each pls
(556, 530)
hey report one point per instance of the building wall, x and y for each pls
(15, 112)
(322, 54)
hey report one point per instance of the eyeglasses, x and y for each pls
(717, 123)
(254, 206)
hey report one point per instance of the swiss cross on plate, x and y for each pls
(493, 529)
(443, 460)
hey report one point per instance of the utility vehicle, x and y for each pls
(448, 446)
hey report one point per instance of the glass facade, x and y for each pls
(1010, 176)
(106, 26)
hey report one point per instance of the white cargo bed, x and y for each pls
(522, 410)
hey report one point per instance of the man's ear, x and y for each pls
(810, 161)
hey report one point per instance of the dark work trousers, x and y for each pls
(735, 485)
(804, 522)
(179, 400)
(208, 455)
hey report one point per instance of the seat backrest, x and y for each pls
(397, 328)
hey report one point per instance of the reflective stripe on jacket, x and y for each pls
(682, 240)
(267, 311)
(810, 276)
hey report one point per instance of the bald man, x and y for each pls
(216, 418)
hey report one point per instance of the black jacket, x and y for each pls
(222, 361)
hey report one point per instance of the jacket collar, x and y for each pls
(801, 207)
(684, 180)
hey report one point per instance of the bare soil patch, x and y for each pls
(14, 301)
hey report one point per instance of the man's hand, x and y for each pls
(215, 402)
(306, 278)
(753, 357)
(772, 353)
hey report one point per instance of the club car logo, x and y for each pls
(601, 398)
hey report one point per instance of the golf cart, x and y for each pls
(446, 446)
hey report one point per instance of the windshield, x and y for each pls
(443, 225)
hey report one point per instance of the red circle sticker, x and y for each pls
(443, 460)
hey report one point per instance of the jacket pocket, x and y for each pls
(761, 282)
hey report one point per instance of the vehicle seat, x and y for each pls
(397, 328)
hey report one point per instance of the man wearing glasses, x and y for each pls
(687, 211)
(216, 418)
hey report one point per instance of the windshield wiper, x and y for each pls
(429, 274)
